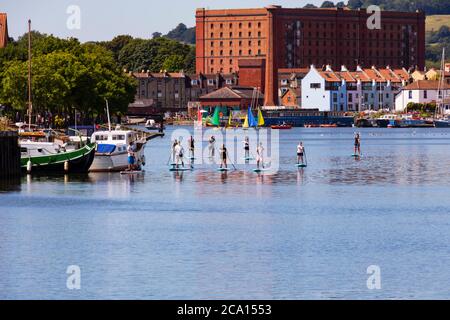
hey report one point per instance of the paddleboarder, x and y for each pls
(247, 148)
(300, 153)
(212, 142)
(223, 156)
(260, 155)
(357, 144)
(192, 146)
(175, 143)
(179, 154)
(131, 156)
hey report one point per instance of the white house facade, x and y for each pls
(423, 91)
(352, 91)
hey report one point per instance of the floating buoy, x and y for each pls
(29, 166)
(66, 166)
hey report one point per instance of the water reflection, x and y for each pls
(10, 185)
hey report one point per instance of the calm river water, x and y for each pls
(293, 234)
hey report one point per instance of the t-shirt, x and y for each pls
(130, 151)
(300, 149)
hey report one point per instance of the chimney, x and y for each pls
(328, 68)
(344, 68)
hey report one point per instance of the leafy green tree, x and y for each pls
(327, 4)
(116, 44)
(310, 6)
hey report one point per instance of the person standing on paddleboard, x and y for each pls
(175, 143)
(192, 146)
(260, 155)
(131, 157)
(212, 142)
(300, 153)
(247, 148)
(179, 154)
(357, 144)
(223, 157)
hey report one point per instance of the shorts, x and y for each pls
(300, 154)
(131, 160)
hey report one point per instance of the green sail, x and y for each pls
(216, 117)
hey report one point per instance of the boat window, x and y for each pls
(101, 138)
(118, 137)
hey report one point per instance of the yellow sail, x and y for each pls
(245, 125)
(230, 117)
(261, 121)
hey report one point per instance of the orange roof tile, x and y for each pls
(425, 85)
(329, 76)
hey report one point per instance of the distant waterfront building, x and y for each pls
(297, 38)
(172, 91)
(3, 30)
(235, 97)
(422, 91)
(352, 91)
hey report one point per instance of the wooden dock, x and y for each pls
(9, 155)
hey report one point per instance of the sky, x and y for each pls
(102, 20)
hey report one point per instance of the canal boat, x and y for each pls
(51, 157)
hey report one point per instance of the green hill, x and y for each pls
(434, 23)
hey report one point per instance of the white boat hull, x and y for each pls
(115, 162)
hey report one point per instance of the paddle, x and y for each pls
(306, 158)
(234, 167)
(170, 156)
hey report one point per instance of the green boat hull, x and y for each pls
(78, 161)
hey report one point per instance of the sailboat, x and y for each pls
(215, 120)
(261, 121)
(442, 121)
(40, 154)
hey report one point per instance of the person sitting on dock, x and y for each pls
(300, 153)
(357, 144)
(260, 156)
(223, 156)
(179, 154)
(131, 156)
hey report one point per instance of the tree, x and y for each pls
(156, 35)
(66, 76)
(310, 6)
(116, 44)
(173, 63)
(152, 54)
(355, 4)
(182, 33)
(327, 4)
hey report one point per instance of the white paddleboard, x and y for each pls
(132, 172)
(180, 169)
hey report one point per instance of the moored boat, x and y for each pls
(111, 153)
(51, 157)
(283, 126)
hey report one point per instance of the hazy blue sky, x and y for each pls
(103, 19)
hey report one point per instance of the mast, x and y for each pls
(440, 100)
(30, 105)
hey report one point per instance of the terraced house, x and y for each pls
(3, 30)
(346, 90)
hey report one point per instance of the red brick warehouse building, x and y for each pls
(297, 38)
(3, 30)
